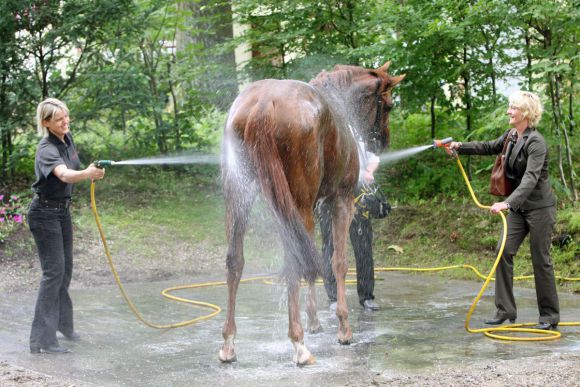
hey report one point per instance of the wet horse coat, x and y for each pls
(297, 143)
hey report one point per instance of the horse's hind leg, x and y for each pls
(302, 355)
(341, 218)
(313, 325)
(239, 196)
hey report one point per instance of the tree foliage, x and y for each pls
(146, 77)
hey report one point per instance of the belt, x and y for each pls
(63, 203)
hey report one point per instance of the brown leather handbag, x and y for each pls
(500, 184)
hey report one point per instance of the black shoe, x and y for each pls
(72, 336)
(498, 321)
(545, 326)
(49, 349)
(370, 305)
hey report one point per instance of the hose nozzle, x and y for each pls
(103, 163)
(442, 143)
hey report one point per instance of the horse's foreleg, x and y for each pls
(341, 219)
(313, 322)
(302, 355)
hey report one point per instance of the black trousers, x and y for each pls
(361, 238)
(539, 224)
(53, 234)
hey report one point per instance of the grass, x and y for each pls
(450, 233)
(148, 213)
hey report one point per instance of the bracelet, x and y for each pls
(509, 206)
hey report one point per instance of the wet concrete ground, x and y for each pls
(419, 328)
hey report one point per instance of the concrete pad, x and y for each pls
(419, 328)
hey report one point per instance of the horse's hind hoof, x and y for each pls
(345, 340)
(229, 361)
(310, 361)
(227, 356)
(317, 329)
(302, 355)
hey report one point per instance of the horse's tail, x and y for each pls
(302, 258)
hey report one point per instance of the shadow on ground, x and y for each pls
(419, 328)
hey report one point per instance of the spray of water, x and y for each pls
(391, 157)
(196, 158)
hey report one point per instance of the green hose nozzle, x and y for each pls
(104, 163)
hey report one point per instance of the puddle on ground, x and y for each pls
(419, 328)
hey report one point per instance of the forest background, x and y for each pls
(146, 78)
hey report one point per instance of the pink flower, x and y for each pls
(2, 210)
(17, 218)
(1, 220)
(1, 197)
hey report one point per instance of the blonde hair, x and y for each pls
(45, 111)
(529, 104)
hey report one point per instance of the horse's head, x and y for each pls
(362, 99)
(371, 101)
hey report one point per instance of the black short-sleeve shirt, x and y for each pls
(50, 153)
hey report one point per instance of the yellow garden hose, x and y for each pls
(166, 292)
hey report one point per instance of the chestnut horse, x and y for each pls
(298, 143)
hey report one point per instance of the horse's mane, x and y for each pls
(340, 77)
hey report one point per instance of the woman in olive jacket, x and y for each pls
(532, 207)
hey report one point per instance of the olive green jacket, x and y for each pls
(528, 163)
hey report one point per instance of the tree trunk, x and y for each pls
(467, 93)
(467, 99)
(571, 122)
(433, 118)
(556, 120)
(175, 102)
(528, 59)
(574, 192)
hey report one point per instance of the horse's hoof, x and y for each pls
(344, 342)
(302, 355)
(310, 361)
(228, 356)
(315, 329)
(345, 339)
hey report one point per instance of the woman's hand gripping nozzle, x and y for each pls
(103, 163)
(446, 143)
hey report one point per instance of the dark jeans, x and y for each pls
(361, 238)
(52, 231)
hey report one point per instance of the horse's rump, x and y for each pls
(281, 126)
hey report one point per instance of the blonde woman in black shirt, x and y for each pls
(57, 168)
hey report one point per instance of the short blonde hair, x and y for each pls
(529, 104)
(45, 111)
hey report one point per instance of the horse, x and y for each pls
(299, 143)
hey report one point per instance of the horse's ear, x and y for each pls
(385, 67)
(394, 81)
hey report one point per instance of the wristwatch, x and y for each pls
(509, 206)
